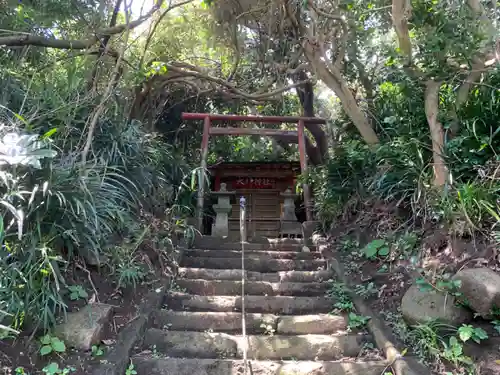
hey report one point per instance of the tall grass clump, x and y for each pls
(340, 180)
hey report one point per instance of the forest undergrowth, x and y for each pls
(392, 228)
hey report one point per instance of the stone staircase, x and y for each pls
(288, 325)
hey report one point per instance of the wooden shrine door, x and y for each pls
(265, 219)
(262, 214)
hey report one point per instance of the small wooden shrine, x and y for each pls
(267, 187)
(270, 203)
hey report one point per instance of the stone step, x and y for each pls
(254, 264)
(284, 305)
(254, 288)
(222, 345)
(278, 240)
(274, 277)
(231, 322)
(260, 246)
(214, 243)
(261, 254)
(187, 366)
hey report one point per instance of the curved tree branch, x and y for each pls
(99, 35)
(463, 93)
(232, 88)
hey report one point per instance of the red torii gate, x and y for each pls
(209, 130)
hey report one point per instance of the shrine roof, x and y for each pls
(257, 165)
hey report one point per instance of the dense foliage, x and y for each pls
(400, 168)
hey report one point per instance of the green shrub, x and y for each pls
(341, 178)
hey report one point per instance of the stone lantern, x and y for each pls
(222, 210)
(289, 223)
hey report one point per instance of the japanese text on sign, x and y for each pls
(253, 183)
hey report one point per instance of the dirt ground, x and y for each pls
(435, 251)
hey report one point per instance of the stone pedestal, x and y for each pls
(288, 213)
(309, 228)
(289, 224)
(222, 210)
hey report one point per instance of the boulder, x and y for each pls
(481, 289)
(423, 306)
(85, 328)
(91, 258)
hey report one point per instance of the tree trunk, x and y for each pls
(306, 97)
(332, 78)
(437, 133)
(319, 152)
(401, 13)
(311, 150)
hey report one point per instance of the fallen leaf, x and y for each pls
(381, 290)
